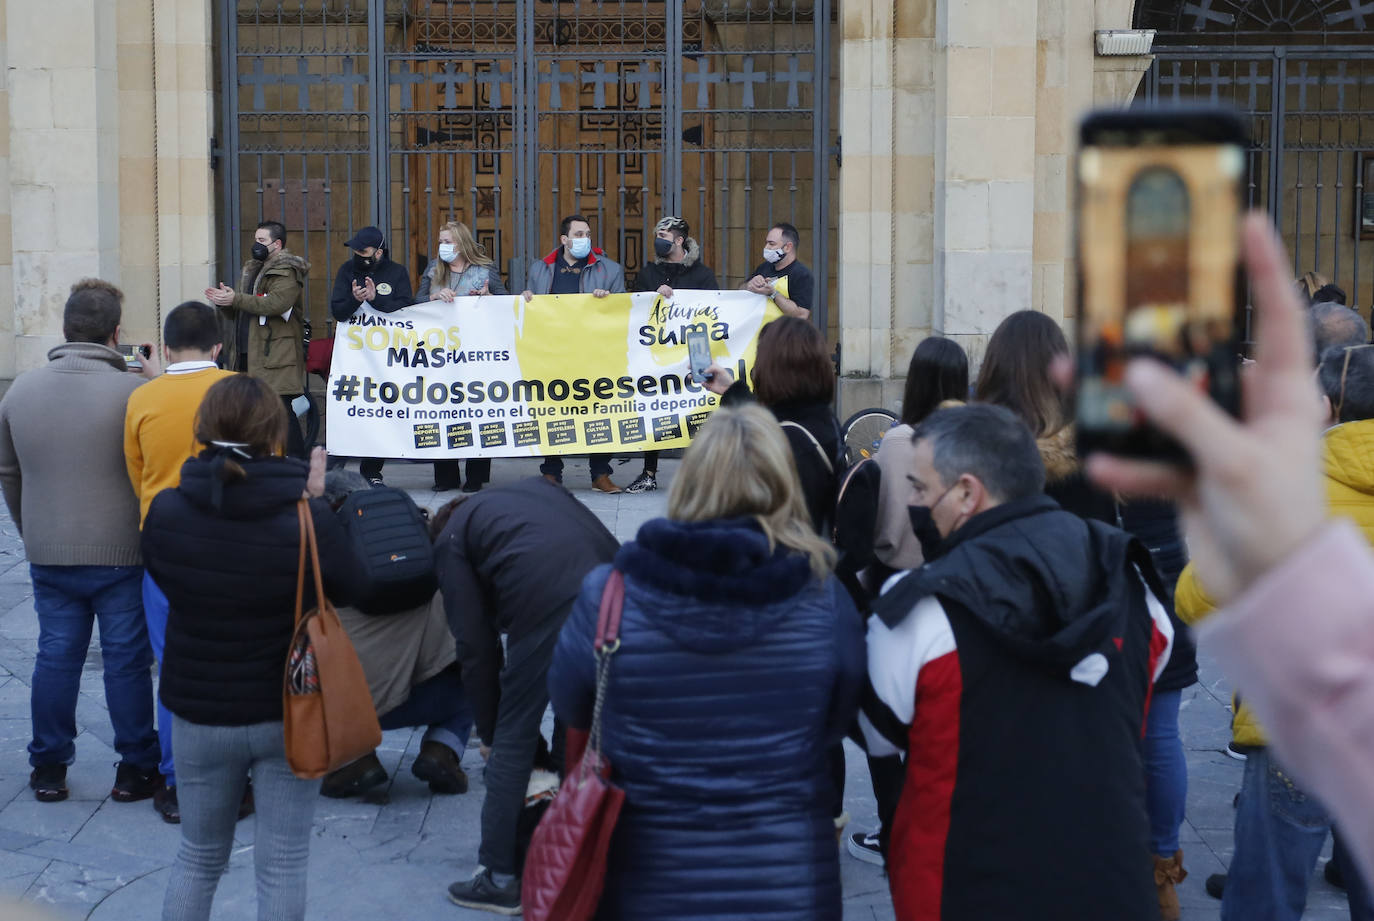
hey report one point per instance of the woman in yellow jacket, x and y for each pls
(1279, 829)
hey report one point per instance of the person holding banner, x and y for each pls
(463, 269)
(577, 267)
(369, 278)
(781, 276)
(677, 261)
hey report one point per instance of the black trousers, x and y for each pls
(295, 441)
(515, 742)
(448, 473)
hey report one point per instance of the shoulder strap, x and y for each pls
(612, 606)
(829, 464)
(302, 512)
(307, 523)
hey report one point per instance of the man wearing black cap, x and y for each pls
(373, 279)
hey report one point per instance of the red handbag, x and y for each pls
(319, 355)
(565, 869)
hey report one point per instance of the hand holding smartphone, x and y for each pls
(1159, 211)
(698, 355)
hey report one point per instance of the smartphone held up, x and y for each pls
(1159, 212)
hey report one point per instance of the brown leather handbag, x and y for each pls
(327, 711)
(565, 869)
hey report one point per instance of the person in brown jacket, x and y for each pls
(267, 313)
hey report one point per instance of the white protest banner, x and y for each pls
(561, 374)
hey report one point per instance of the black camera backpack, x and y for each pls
(391, 540)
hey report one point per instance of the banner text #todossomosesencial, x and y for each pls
(562, 374)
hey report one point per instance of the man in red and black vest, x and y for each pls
(1014, 670)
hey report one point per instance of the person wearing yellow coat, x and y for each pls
(1280, 830)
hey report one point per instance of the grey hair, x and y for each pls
(339, 483)
(988, 442)
(1335, 326)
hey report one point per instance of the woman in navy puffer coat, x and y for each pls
(741, 660)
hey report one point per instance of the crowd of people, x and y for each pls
(1006, 632)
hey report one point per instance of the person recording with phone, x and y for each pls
(677, 263)
(369, 278)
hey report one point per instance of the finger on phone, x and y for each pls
(1182, 411)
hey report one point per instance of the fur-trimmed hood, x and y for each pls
(691, 254)
(279, 263)
(1058, 455)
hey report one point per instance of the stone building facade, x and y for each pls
(923, 146)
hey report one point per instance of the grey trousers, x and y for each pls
(524, 697)
(212, 764)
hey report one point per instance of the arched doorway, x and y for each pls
(1302, 72)
(509, 114)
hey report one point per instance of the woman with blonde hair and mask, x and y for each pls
(740, 664)
(461, 269)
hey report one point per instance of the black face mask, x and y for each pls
(662, 247)
(260, 251)
(363, 263)
(924, 527)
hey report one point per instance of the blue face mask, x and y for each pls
(579, 247)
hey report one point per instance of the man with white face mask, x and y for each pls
(781, 276)
(577, 267)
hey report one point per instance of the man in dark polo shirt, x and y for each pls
(781, 275)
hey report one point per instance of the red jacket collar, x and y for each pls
(552, 257)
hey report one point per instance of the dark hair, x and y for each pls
(242, 410)
(1329, 294)
(92, 312)
(566, 224)
(1357, 403)
(789, 233)
(275, 229)
(192, 325)
(938, 372)
(440, 519)
(1016, 371)
(988, 442)
(792, 364)
(1334, 326)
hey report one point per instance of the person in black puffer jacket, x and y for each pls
(740, 664)
(795, 378)
(223, 546)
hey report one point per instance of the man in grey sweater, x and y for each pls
(67, 487)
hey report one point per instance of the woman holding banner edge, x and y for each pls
(462, 269)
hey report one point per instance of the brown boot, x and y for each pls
(1169, 873)
(603, 484)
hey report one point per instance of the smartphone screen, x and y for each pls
(698, 354)
(1159, 210)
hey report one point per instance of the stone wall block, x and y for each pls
(1011, 215)
(990, 148)
(967, 217)
(915, 118)
(1051, 236)
(914, 298)
(34, 207)
(983, 287)
(915, 18)
(31, 99)
(1013, 81)
(968, 81)
(76, 97)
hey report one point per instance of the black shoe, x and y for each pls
(1215, 884)
(481, 893)
(645, 482)
(863, 845)
(352, 779)
(134, 783)
(165, 804)
(49, 783)
(471, 487)
(374, 481)
(438, 765)
(1332, 872)
(1238, 751)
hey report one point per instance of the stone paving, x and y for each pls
(393, 854)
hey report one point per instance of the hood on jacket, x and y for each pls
(1058, 455)
(712, 585)
(271, 484)
(691, 254)
(87, 356)
(1348, 451)
(279, 263)
(552, 257)
(1049, 585)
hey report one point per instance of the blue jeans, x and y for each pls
(155, 611)
(1280, 831)
(597, 464)
(215, 763)
(69, 600)
(1166, 772)
(439, 703)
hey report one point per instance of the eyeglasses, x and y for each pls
(1345, 369)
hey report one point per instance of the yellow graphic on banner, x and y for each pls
(561, 374)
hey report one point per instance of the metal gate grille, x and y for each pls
(509, 114)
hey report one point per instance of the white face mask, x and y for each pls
(772, 255)
(579, 247)
(447, 252)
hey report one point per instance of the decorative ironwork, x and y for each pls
(1264, 21)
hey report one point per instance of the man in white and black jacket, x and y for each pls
(1013, 670)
